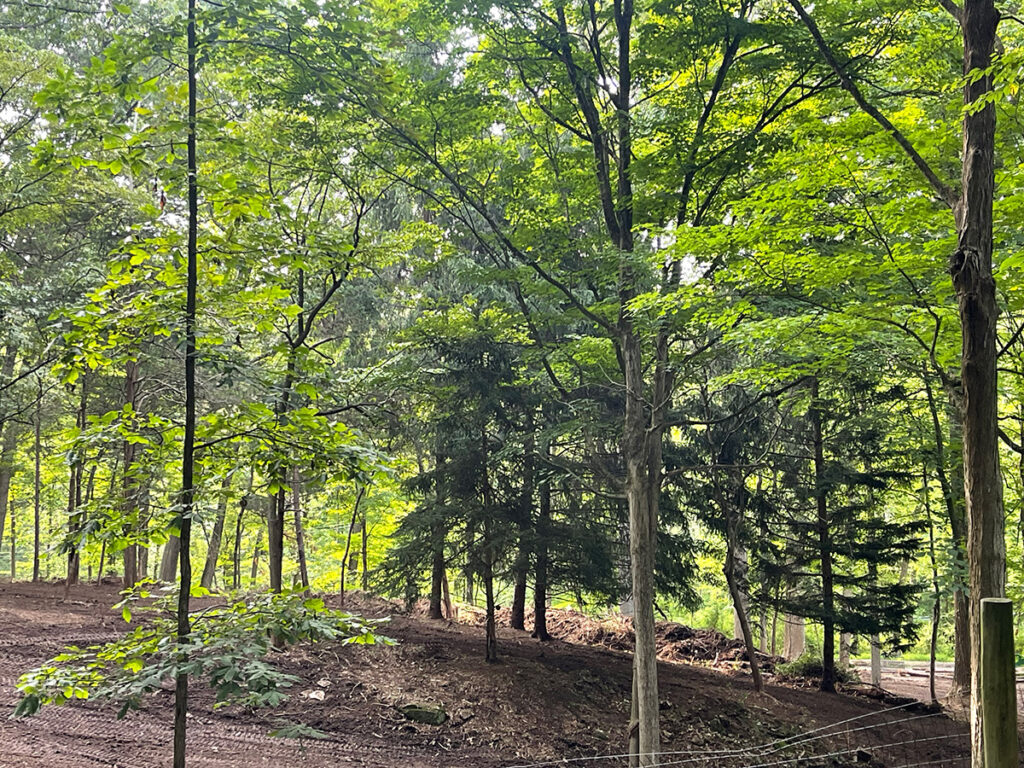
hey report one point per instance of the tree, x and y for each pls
(971, 269)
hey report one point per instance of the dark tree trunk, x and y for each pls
(364, 544)
(517, 620)
(348, 546)
(14, 544)
(828, 643)
(437, 575)
(487, 556)
(75, 497)
(130, 482)
(540, 584)
(236, 552)
(936, 589)
(437, 532)
(468, 572)
(275, 538)
(37, 482)
(524, 517)
(254, 572)
(971, 269)
(300, 533)
(188, 447)
(9, 440)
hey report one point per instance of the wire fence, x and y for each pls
(906, 736)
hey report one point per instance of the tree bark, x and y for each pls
(469, 595)
(14, 544)
(641, 450)
(236, 552)
(524, 516)
(300, 535)
(184, 628)
(130, 482)
(952, 485)
(540, 566)
(971, 270)
(213, 549)
(9, 442)
(256, 559)
(736, 590)
(169, 560)
(348, 546)
(828, 647)
(364, 544)
(37, 480)
(488, 554)
(936, 590)
(75, 496)
(437, 575)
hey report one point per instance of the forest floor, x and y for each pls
(541, 701)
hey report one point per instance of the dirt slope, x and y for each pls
(542, 701)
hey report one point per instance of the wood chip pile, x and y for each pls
(676, 642)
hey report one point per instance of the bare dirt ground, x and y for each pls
(542, 701)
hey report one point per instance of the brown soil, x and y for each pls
(542, 701)
(676, 642)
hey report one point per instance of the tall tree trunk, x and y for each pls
(524, 516)
(828, 643)
(348, 546)
(740, 573)
(971, 269)
(437, 573)
(75, 495)
(236, 552)
(540, 565)
(254, 572)
(277, 512)
(14, 544)
(37, 480)
(437, 534)
(130, 484)
(169, 562)
(488, 555)
(936, 590)
(952, 485)
(469, 595)
(641, 453)
(8, 442)
(736, 589)
(364, 545)
(300, 534)
(188, 447)
(213, 550)
(275, 538)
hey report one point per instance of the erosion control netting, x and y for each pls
(907, 736)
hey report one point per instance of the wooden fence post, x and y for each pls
(998, 684)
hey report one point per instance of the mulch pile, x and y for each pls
(676, 642)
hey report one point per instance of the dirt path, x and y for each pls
(541, 702)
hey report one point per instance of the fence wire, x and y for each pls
(906, 736)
